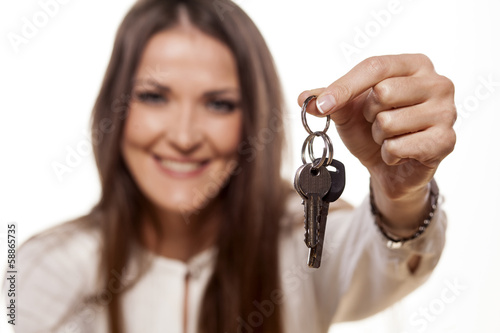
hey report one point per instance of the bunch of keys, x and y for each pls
(318, 187)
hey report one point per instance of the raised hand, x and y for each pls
(396, 115)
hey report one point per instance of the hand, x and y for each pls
(396, 115)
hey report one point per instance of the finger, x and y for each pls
(396, 122)
(311, 107)
(395, 93)
(306, 93)
(429, 147)
(366, 75)
(405, 91)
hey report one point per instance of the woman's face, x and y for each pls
(184, 124)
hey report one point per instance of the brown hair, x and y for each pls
(246, 268)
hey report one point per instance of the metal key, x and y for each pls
(314, 185)
(336, 188)
(314, 259)
(337, 181)
(296, 181)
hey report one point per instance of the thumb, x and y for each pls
(311, 107)
(367, 74)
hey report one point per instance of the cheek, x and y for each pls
(141, 127)
(226, 134)
(140, 133)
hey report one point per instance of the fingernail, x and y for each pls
(325, 103)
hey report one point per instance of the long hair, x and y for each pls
(246, 267)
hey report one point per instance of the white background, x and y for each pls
(49, 85)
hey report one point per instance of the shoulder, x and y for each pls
(73, 242)
(56, 269)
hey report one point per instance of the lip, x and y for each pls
(177, 173)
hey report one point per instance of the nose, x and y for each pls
(184, 133)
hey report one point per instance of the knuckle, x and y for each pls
(449, 115)
(383, 122)
(377, 135)
(426, 153)
(424, 60)
(445, 139)
(342, 92)
(376, 65)
(444, 85)
(447, 83)
(451, 139)
(454, 114)
(382, 92)
(390, 147)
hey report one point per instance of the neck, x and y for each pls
(182, 235)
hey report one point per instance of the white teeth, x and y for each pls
(180, 166)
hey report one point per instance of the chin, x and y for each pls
(189, 201)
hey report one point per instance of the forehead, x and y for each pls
(187, 53)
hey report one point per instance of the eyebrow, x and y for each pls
(167, 89)
(221, 92)
(151, 82)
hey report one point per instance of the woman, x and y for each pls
(195, 230)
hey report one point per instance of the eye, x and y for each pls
(222, 105)
(150, 97)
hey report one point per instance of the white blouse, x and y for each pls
(358, 277)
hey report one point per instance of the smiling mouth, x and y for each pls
(185, 167)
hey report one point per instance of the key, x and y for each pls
(314, 185)
(337, 181)
(296, 181)
(314, 259)
(336, 188)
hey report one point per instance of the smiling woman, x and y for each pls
(185, 126)
(191, 234)
(185, 119)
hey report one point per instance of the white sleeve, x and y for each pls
(53, 274)
(359, 276)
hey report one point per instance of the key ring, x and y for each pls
(304, 120)
(328, 149)
(328, 144)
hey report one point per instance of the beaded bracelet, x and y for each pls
(392, 241)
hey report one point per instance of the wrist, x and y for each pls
(402, 212)
(398, 233)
